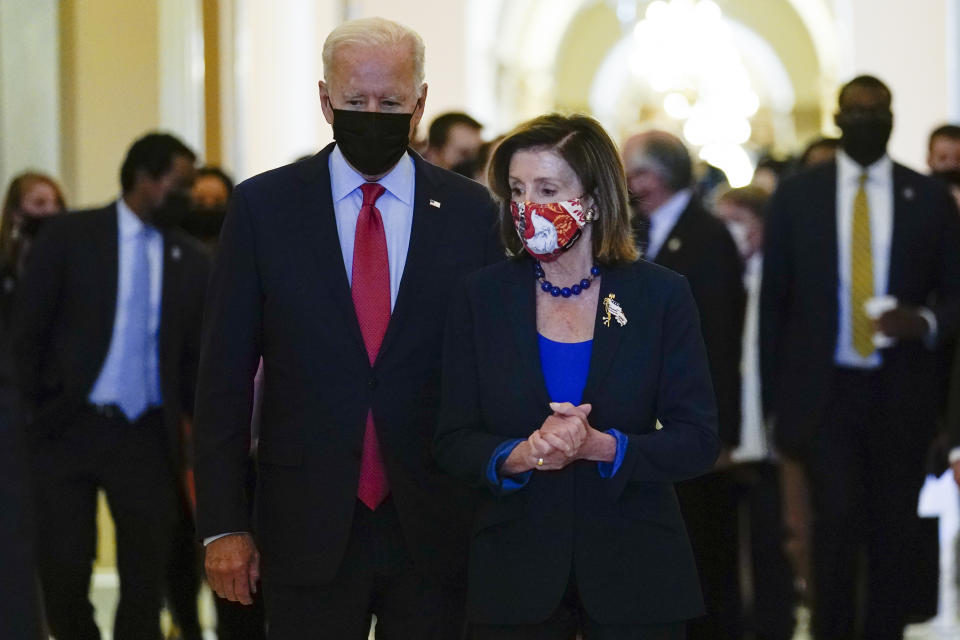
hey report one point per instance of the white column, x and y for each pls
(29, 88)
(180, 36)
(274, 63)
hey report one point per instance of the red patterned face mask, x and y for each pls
(550, 228)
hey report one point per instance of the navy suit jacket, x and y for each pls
(64, 313)
(623, 537)
(279, 291)
(799, 307)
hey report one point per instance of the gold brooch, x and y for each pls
(614, 310)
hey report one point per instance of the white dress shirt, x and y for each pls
(395, 205)
(664, 219)
(108, 386)
(754, 444)
(879, 189)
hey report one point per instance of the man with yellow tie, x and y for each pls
(861, 282)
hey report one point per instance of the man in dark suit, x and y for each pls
(861, 281)
(336, 271)
(680, 234)
(106, 346)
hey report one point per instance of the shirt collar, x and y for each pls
(669, 212)
(344, 179)
(129, 223)
(849, 170)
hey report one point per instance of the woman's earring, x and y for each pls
(591, 215)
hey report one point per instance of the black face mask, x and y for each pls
(371, 142)
(172, 212)
(204, 223)
(865, 138)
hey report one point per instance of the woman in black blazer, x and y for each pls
(575, 393)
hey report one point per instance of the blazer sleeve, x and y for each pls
(228, 362)
(37, 297)
(946, 299)
(687, 445)
(461, 446)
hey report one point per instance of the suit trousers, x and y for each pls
(865, 471)
(376, 578)
(130, 463)
(569, 619)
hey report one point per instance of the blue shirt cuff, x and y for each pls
(609, 469)
(505, 483)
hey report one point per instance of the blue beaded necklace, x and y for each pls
(566, 292)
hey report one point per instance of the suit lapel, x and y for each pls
(673, 248)
(519, 295)
(172, 269)
(904, 195)
(320, 232)
(429, 222)
(606, 340)
(105, 251)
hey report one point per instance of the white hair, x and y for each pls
(375, 32)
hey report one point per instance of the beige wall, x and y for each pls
(110, 90)
(905, 45)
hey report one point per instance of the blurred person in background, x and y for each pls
(820, 151)
(943, 149)
(685, 237)
(768, 173)
(861, 284)
(32, 198)
(755, 472)
(106, 345)
(208, 205)
(453, 138)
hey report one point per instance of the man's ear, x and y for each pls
(325, 105)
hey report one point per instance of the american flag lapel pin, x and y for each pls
(434, 203)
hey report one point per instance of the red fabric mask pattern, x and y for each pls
(550, 228)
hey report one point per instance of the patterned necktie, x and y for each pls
(135, 385)
(371, 301)
(861, 272)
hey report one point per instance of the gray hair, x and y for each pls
(665, 155)
(375, 32)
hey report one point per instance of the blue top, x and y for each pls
(565, 367)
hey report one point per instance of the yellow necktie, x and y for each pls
(861, 272)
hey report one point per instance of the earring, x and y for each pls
(591, 215)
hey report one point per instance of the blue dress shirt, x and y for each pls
(396, 210)
(108, 387)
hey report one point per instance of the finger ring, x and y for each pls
(539, 462)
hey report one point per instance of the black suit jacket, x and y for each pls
(799, 307)
(65, 308)
(279, 290)
(700, 248)
(623, 537)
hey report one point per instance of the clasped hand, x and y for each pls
(565, 436)
(560, 439)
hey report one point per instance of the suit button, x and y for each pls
(372, 384)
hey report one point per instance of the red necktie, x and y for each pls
(371, 300)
